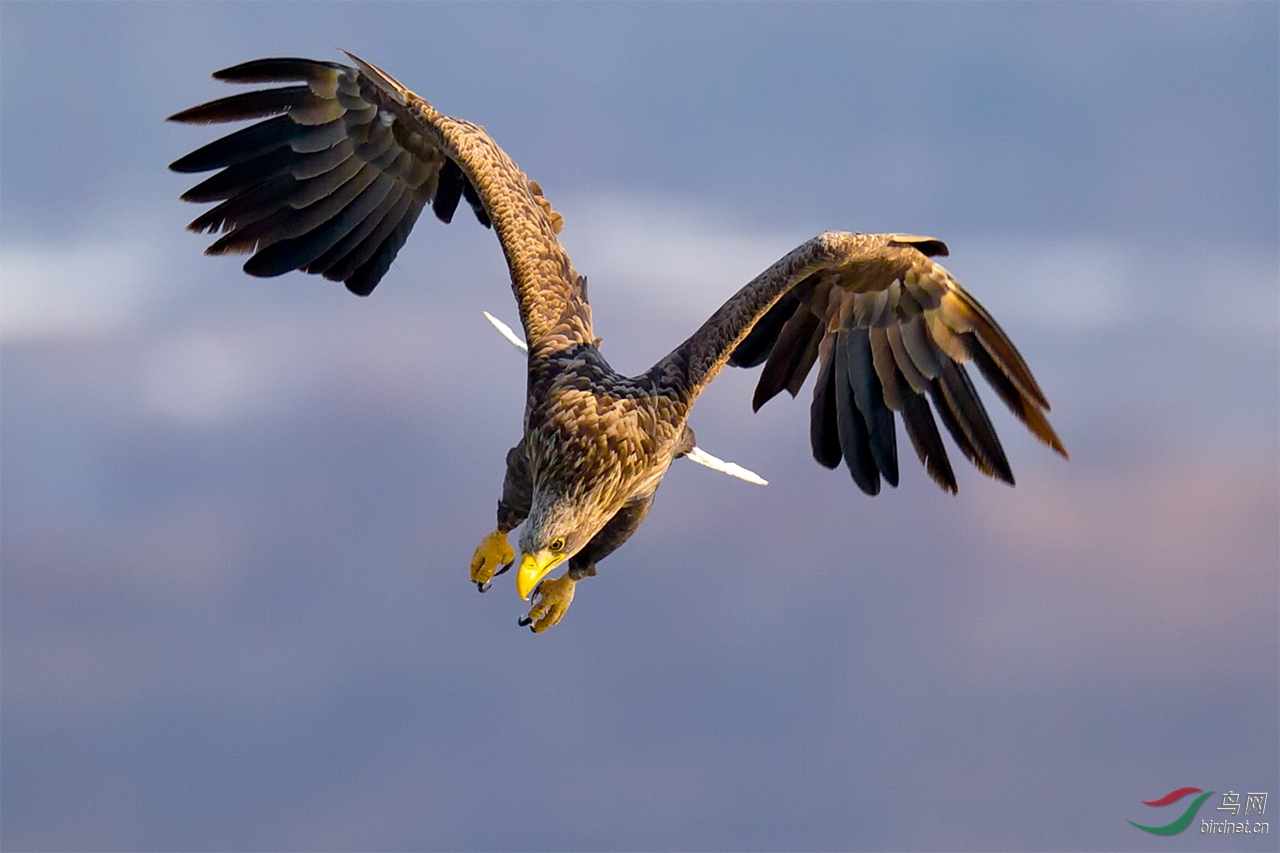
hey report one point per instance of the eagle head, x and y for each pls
(557, 528)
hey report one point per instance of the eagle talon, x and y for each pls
(524, 621)
(552, 600)
(493, 556)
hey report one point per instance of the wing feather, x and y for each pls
(962, 412)
(789, 354)
(807, 359)
(855, 439)
(334, 174)
(449, 192)
(824, 431)
(759, 342)
(348, 253)
(922, 429)
(868, 396)
(891, 335)
(1012, 394)
(332, 226)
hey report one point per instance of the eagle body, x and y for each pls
(616, 435)
(342, 161)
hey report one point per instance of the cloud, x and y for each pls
(683, 258)
(96, 286)
(670, 252)
(1128, 571)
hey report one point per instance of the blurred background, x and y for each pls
(237, 514)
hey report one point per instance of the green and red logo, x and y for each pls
(1182, 822)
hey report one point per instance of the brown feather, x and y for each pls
(1002, 350)
(1024, 409)
(963, 414)
(883, 360)
(916, 380)
(920, 348)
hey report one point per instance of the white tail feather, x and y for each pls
(506, 332)
(733, 469)
(698, 455)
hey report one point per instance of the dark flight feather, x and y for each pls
(759, 342)
(927, 441)
(800, 370)
(965, 417)
(788, 353)
(308, 205)
(448, 192)
(359, 244)
(366, 277)
(824, 431)
(477, 206)
(245, 144)
(296, 252)
(869, 399)
(246, 207)
(855, 440)
(240, 177)
(283, 69)
(930, 247)
(248, 105)
(1023, 409)
(1001, 349)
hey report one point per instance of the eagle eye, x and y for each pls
(557, 544)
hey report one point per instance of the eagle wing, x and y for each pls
(890, 331)
(334, 177)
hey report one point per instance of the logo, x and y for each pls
(1187, 816)
(1254, 802)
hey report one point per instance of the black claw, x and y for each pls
(483, 587)
(524, 620)
(503, 569)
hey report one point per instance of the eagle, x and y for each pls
(344, 159)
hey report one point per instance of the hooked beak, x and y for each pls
(533, 568)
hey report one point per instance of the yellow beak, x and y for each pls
(533, 568)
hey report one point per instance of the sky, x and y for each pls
(236, 515)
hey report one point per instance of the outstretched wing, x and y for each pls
(333, 179)
(890, 333)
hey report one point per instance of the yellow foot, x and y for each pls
(493, 557)
(551, 599)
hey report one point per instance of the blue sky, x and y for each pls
(237, 514)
